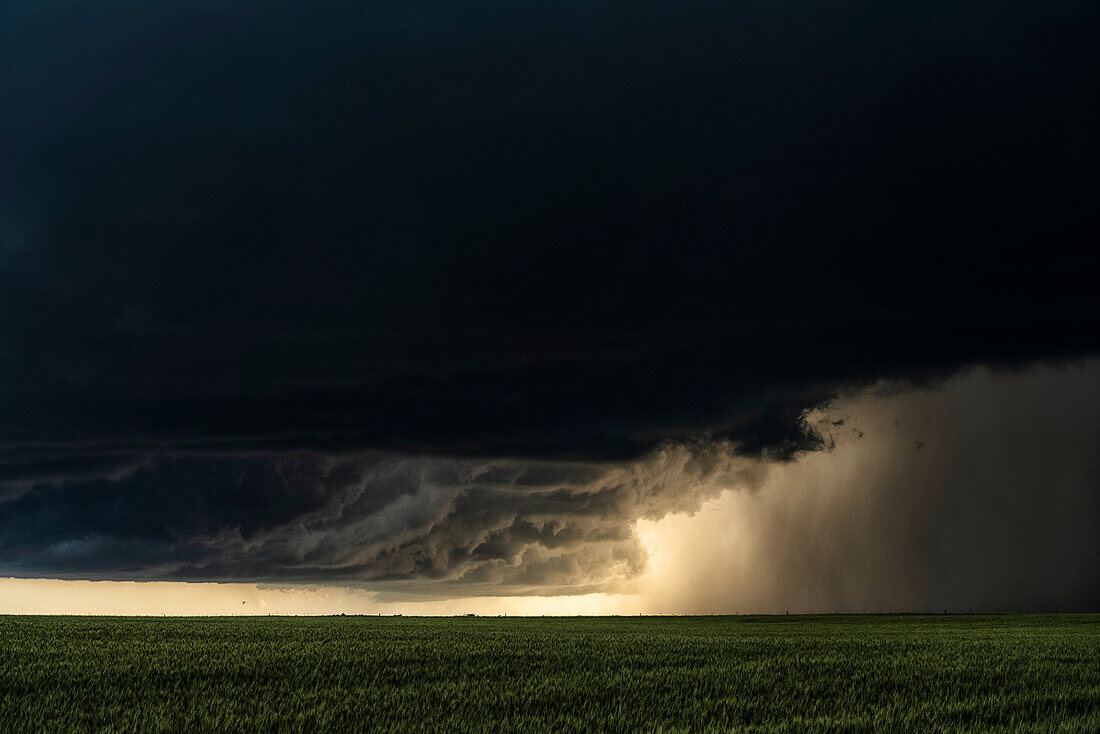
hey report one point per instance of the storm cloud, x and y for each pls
(979, 492)
(429, 295)
(535, 229)
(505, 526)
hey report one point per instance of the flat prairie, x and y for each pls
(834, 673)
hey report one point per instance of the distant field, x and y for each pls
(752, 674)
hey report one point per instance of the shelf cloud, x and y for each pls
(980, 492)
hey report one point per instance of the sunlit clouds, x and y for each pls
(982, 493)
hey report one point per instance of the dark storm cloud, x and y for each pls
(552, 229)
(280, 284)
(981, 492)
(514, 526)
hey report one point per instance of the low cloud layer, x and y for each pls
(980, 492)
(504, 526)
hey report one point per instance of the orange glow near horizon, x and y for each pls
(178, 598)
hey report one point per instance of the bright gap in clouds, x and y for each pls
(982, 493)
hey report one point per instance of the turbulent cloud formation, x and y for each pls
(506, 526)
(979, 492)
(425, 293)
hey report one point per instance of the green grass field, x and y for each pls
(753, 674)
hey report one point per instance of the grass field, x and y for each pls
(753, 674)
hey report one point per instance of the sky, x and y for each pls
(545, 307)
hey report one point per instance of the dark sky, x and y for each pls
(236, 234)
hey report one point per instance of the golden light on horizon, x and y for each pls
(179, 598)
